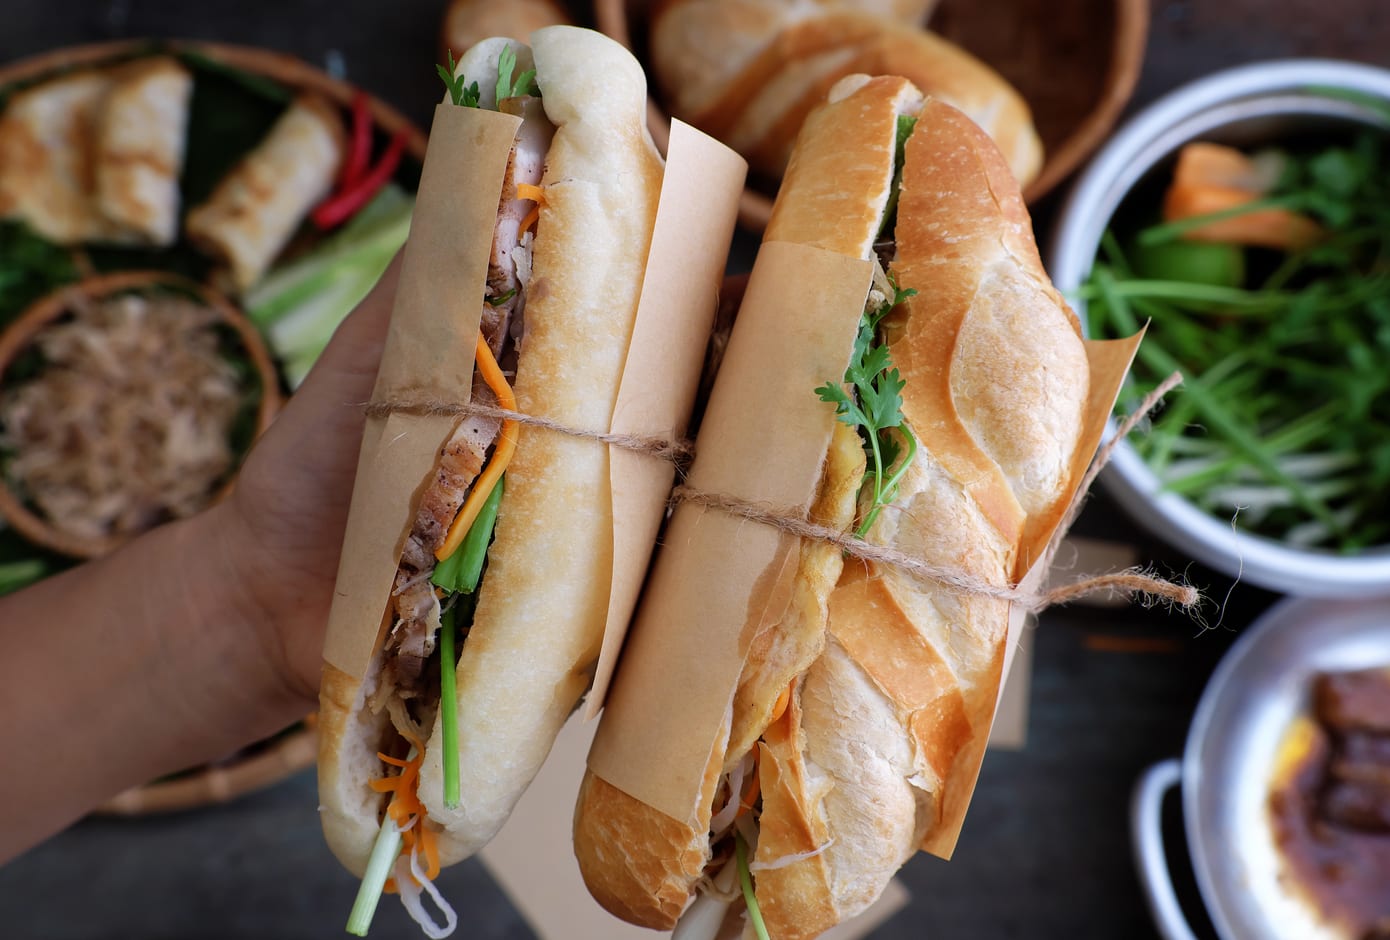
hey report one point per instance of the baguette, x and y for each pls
(876, 753)
(749, 71)
(542, 603)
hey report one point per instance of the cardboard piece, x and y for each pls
(1010, 729)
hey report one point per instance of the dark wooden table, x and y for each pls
(1046, 851)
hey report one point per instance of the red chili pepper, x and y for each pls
(361, 152)
(339, 208)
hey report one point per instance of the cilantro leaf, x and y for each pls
(506, 88)
(870, 400)
(462, 95)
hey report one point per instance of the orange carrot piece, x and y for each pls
(1204, 164)
(1267, 228)
(501, 456)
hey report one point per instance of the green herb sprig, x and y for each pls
(525, 82)
(463, 95)
(870, 401)
(1283, 422)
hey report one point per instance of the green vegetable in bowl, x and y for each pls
(1212, 264)
(1283, 423)
(299, 304)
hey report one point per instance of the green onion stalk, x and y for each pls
(745, 880)
(460, 574)
(383, 858)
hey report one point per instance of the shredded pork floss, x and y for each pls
(128, 422)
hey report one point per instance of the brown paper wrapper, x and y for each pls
(794, 332)
(675, 315)
(429, 356)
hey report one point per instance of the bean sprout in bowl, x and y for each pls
(1266, 466)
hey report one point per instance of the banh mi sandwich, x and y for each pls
(254, 210)
(497, 606)
(854, 733)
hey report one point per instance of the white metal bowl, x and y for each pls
(1253, 104)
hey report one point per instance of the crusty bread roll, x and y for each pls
(749, 71)
(876, 755)
(542, 605)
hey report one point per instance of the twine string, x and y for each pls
(680, 452)
(671, 449)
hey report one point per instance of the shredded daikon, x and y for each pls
(748, 828)
(793, 858)
(734, 780)
(411, 882)
(702, 919)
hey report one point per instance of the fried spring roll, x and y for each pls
(256, 208)
(47, 158)
(140, 149)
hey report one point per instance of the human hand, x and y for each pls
(282, 527)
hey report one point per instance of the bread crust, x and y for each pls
(639, 864)
(750, 71)
(542, 605)
(349, 736)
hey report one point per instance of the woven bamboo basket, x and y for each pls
(1074, 61)
(293, 751)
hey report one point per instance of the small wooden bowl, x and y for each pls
(1074, 61)
(20, 334)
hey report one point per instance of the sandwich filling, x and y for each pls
(444, 557)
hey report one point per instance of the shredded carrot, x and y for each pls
(533, 193)
(783, 701)
(536, 195)
(506, 445)
(755, 789)
(406, 810)
(779, 709)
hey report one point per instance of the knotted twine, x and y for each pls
(680, 452)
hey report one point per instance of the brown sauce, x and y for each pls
(1331, 811)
